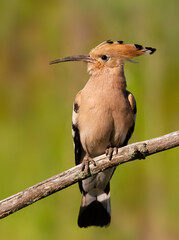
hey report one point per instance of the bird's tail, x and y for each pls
(95, 209)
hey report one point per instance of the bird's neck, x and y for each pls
(119, 77)
(111, 76)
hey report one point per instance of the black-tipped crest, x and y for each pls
(109, 41)
(139, 47)
(151, 49)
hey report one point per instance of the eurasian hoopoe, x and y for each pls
(104, 115)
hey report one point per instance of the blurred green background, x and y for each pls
(36, 105)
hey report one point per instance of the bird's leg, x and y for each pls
(110, 150)
(85, 163)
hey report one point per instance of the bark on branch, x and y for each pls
(56, 183)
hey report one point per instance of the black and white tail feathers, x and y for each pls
(95, 210)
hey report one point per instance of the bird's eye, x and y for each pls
(104, 57)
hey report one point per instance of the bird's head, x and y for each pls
(109, 54)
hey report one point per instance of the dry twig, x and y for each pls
(56, 183)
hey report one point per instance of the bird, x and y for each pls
(103, 120)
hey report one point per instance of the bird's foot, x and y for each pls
(110, 151)
(85, 163)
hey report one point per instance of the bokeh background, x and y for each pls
(36, 105)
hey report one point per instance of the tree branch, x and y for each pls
(56, 183)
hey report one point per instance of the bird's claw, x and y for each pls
(110, 151)
(86, 162)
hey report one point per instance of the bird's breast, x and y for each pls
(95, 128)
(104, 119)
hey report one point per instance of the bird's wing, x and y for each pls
(133, 106)
(132, 102)
(75, 130)
(79, 151)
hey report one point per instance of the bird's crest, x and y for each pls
(120, 49)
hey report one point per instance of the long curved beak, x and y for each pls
(83, 58)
